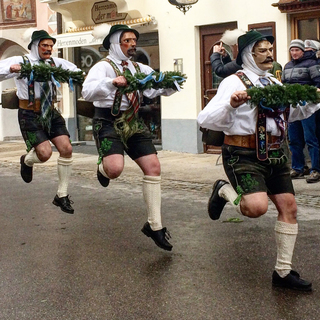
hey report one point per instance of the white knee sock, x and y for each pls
(286, 235)
(228, 193)
(64, 173)
(152, 197)
(101, 170)
(31, 158)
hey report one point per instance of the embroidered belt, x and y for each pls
(249, 141)
(36, 107)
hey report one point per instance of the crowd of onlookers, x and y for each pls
(303, 68)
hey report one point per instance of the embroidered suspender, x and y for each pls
(261, 131)
(31, 83)
(117, 100)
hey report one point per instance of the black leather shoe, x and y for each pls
(216, 203)
(160, 237)
(25, 171)
(291, 281)
(64, 203)
(102, 179)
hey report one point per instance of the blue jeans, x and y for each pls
(303, 132)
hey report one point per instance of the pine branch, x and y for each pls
(157, 80)
(276, 96)
(44, 72)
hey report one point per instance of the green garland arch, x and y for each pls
(156, 80)
(44, 72)
(276, 96)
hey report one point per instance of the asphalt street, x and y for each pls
(97, 264)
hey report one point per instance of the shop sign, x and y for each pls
(106, 11)
(76, 40)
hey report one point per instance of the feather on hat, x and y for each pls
(101, 30)
(28, 33)
(230, 37)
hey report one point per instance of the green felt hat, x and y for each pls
(40, 35)
(248, 38)
(115, 28)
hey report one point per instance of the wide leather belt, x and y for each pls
(36, 107)
(105, 113)
(249, 141)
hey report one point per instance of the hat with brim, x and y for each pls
(251, 36)
(115, 28)
(40, 35)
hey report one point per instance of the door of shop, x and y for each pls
(208, 36)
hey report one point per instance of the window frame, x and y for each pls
(264, 25)
(295, 18)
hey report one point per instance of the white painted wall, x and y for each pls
(179, 38)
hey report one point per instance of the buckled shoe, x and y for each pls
(291, 281)
(160, 237)
(64, 203)
(216, 203)
(25, 171)
(102, 179)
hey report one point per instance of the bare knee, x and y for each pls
(63, 146)
(153, 170)
(149, 165)
(66, 151)
(289, 212)
(113, 172)
(254, 206)
(113, 165)
(44, 152)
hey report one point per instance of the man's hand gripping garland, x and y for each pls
(274, 100)
(44, 74)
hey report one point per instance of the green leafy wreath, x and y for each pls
(276, 96)
(155, 80)
(44, 72)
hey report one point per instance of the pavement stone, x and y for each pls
(96, 264)
(180, 171)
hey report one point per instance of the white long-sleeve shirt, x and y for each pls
(22, 84)
(219, 115)
(98, 87)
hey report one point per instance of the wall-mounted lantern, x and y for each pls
(183, 5)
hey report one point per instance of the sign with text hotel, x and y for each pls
(106, 11)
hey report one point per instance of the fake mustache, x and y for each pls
(268, 60)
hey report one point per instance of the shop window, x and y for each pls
(306, 26)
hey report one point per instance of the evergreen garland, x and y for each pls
(141, 81)
(44, 72)
(276, 96)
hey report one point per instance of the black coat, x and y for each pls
(305, 70)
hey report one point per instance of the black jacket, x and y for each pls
(223, 67)
(305, 70)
